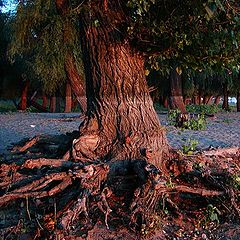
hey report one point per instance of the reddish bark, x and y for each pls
(176, 97)
(44, 101)
(209, 101)
(121, 121)
(23, 103)
(165, 102)
(217, 100)
(52, 104)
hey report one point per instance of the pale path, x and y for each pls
(222, 131)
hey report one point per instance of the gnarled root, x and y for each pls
(52, 178)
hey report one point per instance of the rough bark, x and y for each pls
(121, 122)
(68, 98)
(176, 96)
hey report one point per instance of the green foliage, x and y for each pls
(236, 181)
(196, 123)
(172, 116)
(202, 108)
(190, 146)
(39, 34)
(212, 214)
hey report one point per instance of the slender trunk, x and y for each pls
(53, 104)
(195, 100)
(238, 101)
(209, 101)
(205, 99)
(23, 102)
(225, 104)
(176, 98)
(44, 101)
(199, 97)
(217, 100)
(77, 83)
(165, 102)
(68, 99)
(121, 123)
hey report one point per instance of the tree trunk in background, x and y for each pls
(176, 97)
(165, 102)
(209, 101)
(205, 99)
(68, 98)
(217, 100)
(238, 101)
(44, 101)
(225, 104)
(52, 104)
(121, 123)
(23, 103)
(76, 81)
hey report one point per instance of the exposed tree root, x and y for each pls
(27, 145)
(81, 188)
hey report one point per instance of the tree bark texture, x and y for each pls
(121, 122)
(68, 98)
(176, 96)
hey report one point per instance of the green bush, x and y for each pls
(203, 109)
(193, 122)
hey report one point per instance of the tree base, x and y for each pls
(59, 198)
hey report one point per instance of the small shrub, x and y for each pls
(191, 122)
(212, 214)
(190, 146)
(203, 109)
(198, 123)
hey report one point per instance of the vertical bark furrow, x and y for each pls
(118, 95)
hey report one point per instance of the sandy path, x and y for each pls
(222, 131)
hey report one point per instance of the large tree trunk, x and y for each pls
(238, 101)
(68, 98)
(121, 122)
(176, 97)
